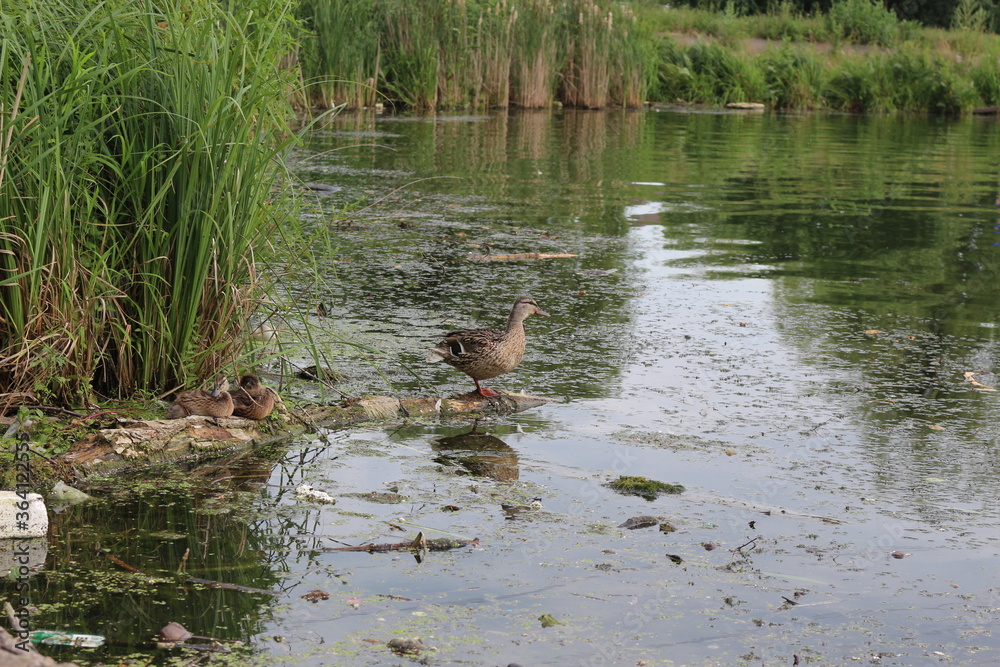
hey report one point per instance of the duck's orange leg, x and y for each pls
(484, 391)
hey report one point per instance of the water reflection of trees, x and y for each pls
(861, 224)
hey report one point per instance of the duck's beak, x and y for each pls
(539, 311)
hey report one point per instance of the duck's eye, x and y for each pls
(456, 348)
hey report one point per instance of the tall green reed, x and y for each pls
(493, 55)
(536, 57)
(341, 51)
(137, 156)
(458, 53)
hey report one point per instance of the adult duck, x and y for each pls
(251, 400)
(215, 403)
(487, 353)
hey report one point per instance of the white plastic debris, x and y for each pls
(307, 492)
(22, 515)
(67, 494)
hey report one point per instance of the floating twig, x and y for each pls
(437, 544)
(232, 587)
(519, 256)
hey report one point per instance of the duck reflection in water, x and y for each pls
(481, 454)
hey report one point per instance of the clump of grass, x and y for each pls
(643, 487)
(855, 87)
(709, 73)
(791, 77)
(785, 22)
(130, 216)
(902, 80)
(919, 81)
(862, 21)
(985, 76)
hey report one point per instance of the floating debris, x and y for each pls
(519, 256)
(642, 521)
(976, 385)
(174, 632)
(379, 497)
(315, 596)
(307, 492)
(67, 495)
(22, 515)
(408, 645)
(60, 638)
(439, 544)
(548, 620)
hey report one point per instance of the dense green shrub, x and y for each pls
(863, 21)
(709, 73)
(792, 77)
(985, 76)
(904, 80)
(855, 86)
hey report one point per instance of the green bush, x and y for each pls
(709, 73)
(862, 21)
(917, 81)
(904, 80)
(855, 87)
(985, 77)
(791, 77)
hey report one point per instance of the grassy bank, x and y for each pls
(137, 153)
(592, 53)
(856, 58)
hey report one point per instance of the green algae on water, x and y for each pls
(643, 487)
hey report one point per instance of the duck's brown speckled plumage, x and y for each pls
(215, 403)
(487, 353)
(251, 400)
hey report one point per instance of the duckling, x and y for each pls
(216, 403)
(251, 400)
(487, 353)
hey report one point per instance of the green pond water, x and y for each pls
(793, 316)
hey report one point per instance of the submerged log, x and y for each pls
(139, 443)
(382, 408)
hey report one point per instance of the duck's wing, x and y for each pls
(470, 341)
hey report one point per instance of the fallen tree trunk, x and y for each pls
(136, 444)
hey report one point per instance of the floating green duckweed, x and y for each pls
(643, 487)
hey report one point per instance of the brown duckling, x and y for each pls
(486, 353)
(216, 403)
(251, 400)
